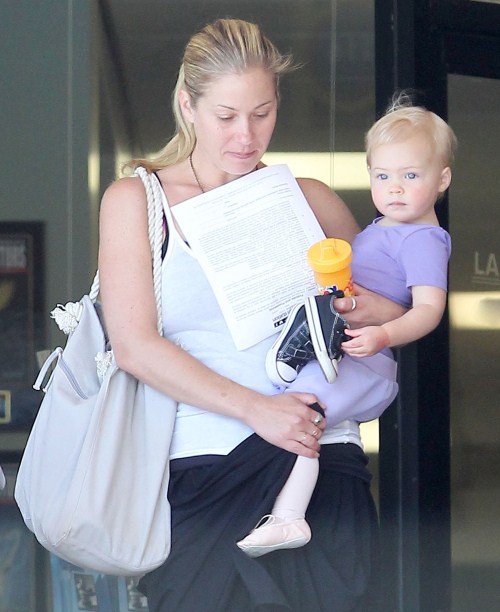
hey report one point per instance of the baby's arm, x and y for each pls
(424, 316)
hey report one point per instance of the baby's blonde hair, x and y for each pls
(402, 120)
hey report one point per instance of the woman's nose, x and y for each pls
(245, 132)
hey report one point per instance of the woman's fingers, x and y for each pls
(288, 421)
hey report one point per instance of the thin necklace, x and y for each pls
(194, 173)
(196, 176)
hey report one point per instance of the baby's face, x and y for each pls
(406, 179)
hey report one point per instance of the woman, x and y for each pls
(224, 477)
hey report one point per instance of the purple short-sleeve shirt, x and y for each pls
(390, 259)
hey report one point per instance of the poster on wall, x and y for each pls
(22, 324)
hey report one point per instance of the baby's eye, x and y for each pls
(410, 175)
(382, 177)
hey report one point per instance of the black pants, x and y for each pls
(217, 504)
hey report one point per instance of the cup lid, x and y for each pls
(329, 255)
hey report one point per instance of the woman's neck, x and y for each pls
(204, 186)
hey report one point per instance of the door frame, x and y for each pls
(417, 44)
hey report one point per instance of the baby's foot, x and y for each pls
(274, 533)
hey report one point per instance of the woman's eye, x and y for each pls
(225, 117)
(262, 115)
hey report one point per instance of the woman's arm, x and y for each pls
(371, 308)
(428, 304)
(126, 281)
(335, 218)
(337, 221)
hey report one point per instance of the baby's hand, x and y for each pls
(365, 341)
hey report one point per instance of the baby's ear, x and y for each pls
(445, 179)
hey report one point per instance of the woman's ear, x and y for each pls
(445, 179)
(185, 105)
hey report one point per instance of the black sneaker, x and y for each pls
(326, 328)
(291, 350)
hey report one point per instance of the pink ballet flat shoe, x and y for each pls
(274, 533)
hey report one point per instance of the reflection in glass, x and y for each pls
(475, 343)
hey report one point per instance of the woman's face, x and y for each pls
(234, 120)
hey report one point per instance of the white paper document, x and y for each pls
(251, 238)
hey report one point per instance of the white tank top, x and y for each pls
(193, 319)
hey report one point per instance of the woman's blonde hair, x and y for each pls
(402, 120)
(227, 46)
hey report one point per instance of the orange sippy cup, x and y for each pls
(330, 260)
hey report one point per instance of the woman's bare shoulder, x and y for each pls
(314, 185)
(332, 213)
(129, 188)
(124, 201)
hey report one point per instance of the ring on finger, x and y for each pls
(304, 438)
(317, 419)
(354, 303)
(314, 433)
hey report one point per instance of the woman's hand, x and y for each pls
(286, 420)
(370, 308)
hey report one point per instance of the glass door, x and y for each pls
(474, 113)
(439, 451)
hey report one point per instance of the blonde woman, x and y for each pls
(235, 437)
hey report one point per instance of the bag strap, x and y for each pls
(155, 232)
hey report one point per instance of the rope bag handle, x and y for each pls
(155, 232)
